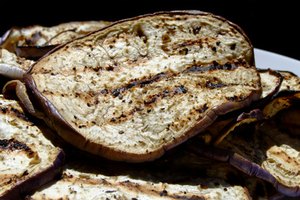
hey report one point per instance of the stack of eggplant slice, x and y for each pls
(263, 141)
(167, 105)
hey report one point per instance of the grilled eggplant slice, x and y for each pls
(28, 158)
(271, 150)
(271, 83)
(158, 180)
(11, 66)
(266, 150)
(35, 41)
(276, 97)
(78, 185)
(143, 85)
(291, 82)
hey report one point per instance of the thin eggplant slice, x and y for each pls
(156, 180)
(79, 185)
(291, 82)
(11, 66)
(263, 151)
(28, 158)
(242, 119)
(284, 100)
(280, 91)
(35, 41)
(270, 82)
(73, 86)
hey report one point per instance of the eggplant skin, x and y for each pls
(36, 181)
(33, 53)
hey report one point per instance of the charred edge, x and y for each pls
(14, 145)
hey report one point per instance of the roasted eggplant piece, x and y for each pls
(265, 142)
(155, 180)
(35, 41)
(11, 66)
(265, 150)
(271, 83)
(291, 82)
(28, 158)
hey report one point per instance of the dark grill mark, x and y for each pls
(152, 100)
(151, 80)
(201, 42)
(232, 47)
(163, 193)
(202, 109)
(141, 83)
(148, 102)
(110, 191)
(212, 85)
(196, 30)
(177, 90)
(181, 89)
(183, 51)
(14, 145)
(109, 68)
(215, 66)
(140, 33)
(14, 112)
(117, 92)
(104, 91)
(4, 110)
(166, 38)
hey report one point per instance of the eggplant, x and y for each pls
(262, 150)
(271, 83)
(291, 82)
(11, 66)
(28, 158)
(35, 41)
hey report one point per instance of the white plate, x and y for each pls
(266, 59)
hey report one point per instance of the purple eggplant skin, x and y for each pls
(244, 165)
(33, 52)
(37, 180)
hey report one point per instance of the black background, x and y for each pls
(271, 25)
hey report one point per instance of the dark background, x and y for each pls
(271, 25)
